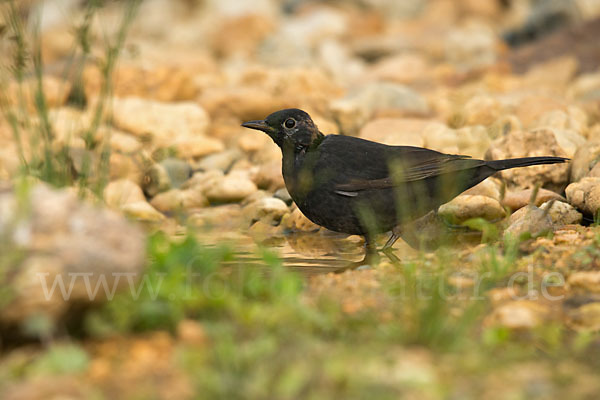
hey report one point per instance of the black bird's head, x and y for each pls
(290, 128)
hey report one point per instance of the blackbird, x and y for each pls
(360, 187)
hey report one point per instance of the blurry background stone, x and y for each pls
(533, 143)
(50, 235)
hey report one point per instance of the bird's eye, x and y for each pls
(289, 123)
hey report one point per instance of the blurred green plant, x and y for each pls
(60, 359)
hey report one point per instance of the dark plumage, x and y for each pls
(356, 186)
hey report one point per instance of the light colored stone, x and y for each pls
(120, 141)
(162, 122)
(240, 36)
(585, 88)
(440, 137)
(121, 192)
(246, 103)
(404, 68)
(64, 239)
(197, 146)
(472, 140)
(489, 187)
(221, 161)
(585, 160)
(352, 111)
(585, 195)
(465, 207)
(296, 221)
(395, 131)
(482, 110)
(471, 47)
(515, 199)
(268, 176)
(587, 280)
(166, 83)
(267, 209)
(142, 211)
(251, 142)
(562, 213)
(571, 119)
(231, 188)
(553, 74)
(177, 200)
(541, 142)
(529, 221)
(284, 195)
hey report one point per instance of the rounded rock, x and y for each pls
(465, 207)
(232, 188)
(541, 142)
(120, 192)
(529, 220)
(585, 195)
(267, 209)
(395, 131)
(585, 160)
(562, 213)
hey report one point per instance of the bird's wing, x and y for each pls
(382, 167)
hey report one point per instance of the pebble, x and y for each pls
(284, 195)
(482, 110)
(178, 200)
(394, 131)
(161, 122)
(465, 207)
(529, 220)
(231, 188)
(120, 192)
(516, 199)
(297, 222)
(197, 146)
(222, 161)
(267, 209)
(489, 188)
(585, 160)
(541, 142)
(562, 213)
(585, 195)
(352, 111)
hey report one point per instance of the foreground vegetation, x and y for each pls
(265, 332)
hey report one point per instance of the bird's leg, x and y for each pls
(370, 246)
(371, 257)
(396, 232)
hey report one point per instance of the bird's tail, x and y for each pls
(499, 165)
